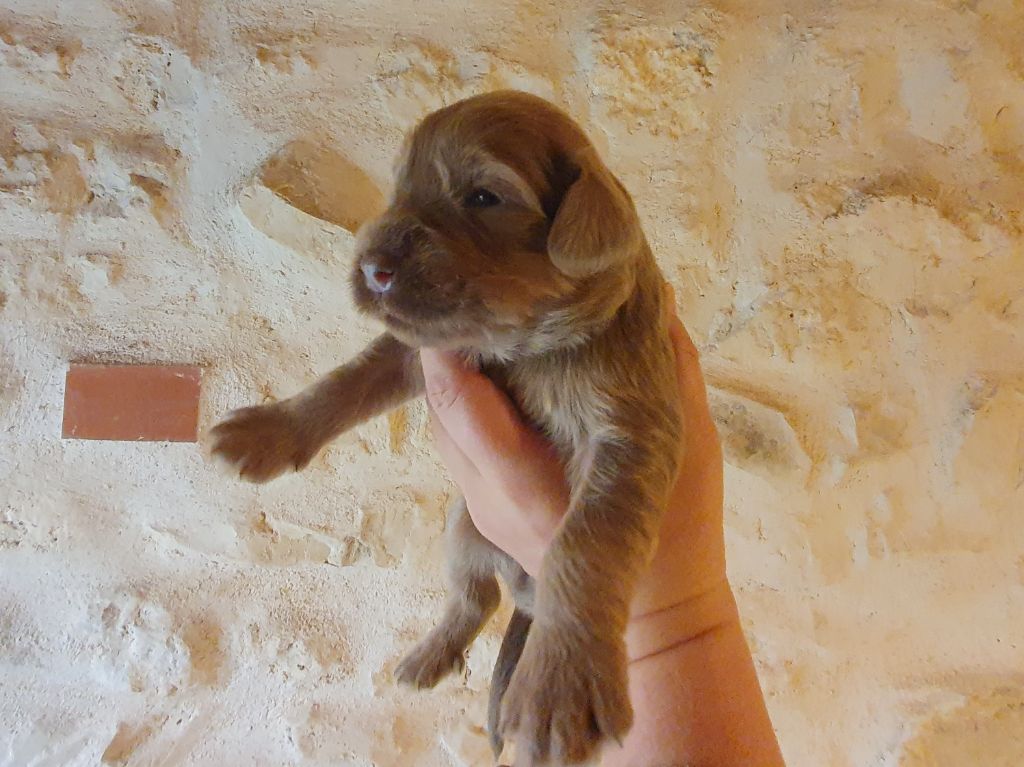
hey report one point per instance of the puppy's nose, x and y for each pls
(378, 279)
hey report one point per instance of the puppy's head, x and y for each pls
(503, 218)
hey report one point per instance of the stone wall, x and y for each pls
(835, 188)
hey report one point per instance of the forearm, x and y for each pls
(262, 442)
(695, 693)
(385, 375)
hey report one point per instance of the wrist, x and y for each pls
(654, 632)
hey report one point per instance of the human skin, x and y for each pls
(692, 680)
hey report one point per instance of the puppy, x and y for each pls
(508, 240)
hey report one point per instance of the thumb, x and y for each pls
(477, 416)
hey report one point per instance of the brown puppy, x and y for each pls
(508, 239)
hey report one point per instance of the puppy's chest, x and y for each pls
(558, 398)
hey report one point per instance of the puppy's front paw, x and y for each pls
(568, 695)
(262, 442)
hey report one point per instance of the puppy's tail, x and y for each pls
(508, 657)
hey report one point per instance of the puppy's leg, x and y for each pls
(569, 691)
(472, 598)
(508, 657)
(522, 588)
(265, 441)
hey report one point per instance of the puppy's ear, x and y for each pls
(595, 226)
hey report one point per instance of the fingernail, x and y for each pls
(437, 361)
(471, 362)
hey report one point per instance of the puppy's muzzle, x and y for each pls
(389, 245)
(378, 279)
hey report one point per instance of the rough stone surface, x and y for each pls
(836, 190)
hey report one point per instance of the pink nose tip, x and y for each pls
(378, 280)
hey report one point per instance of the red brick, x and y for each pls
(151, 403)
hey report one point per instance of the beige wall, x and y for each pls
(836, 191)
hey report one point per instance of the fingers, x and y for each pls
(677, 331)
(459, 464)
(474, 417)
(691, 381)
(681, 341)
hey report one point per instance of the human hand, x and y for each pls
(685, 591)
(511, 477)
(516, 491)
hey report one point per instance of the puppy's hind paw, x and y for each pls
(428, 663)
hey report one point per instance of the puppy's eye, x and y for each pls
(482, 198)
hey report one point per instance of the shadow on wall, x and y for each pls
(986, 730)
(322, 183)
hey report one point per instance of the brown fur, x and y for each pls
(556, 293)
